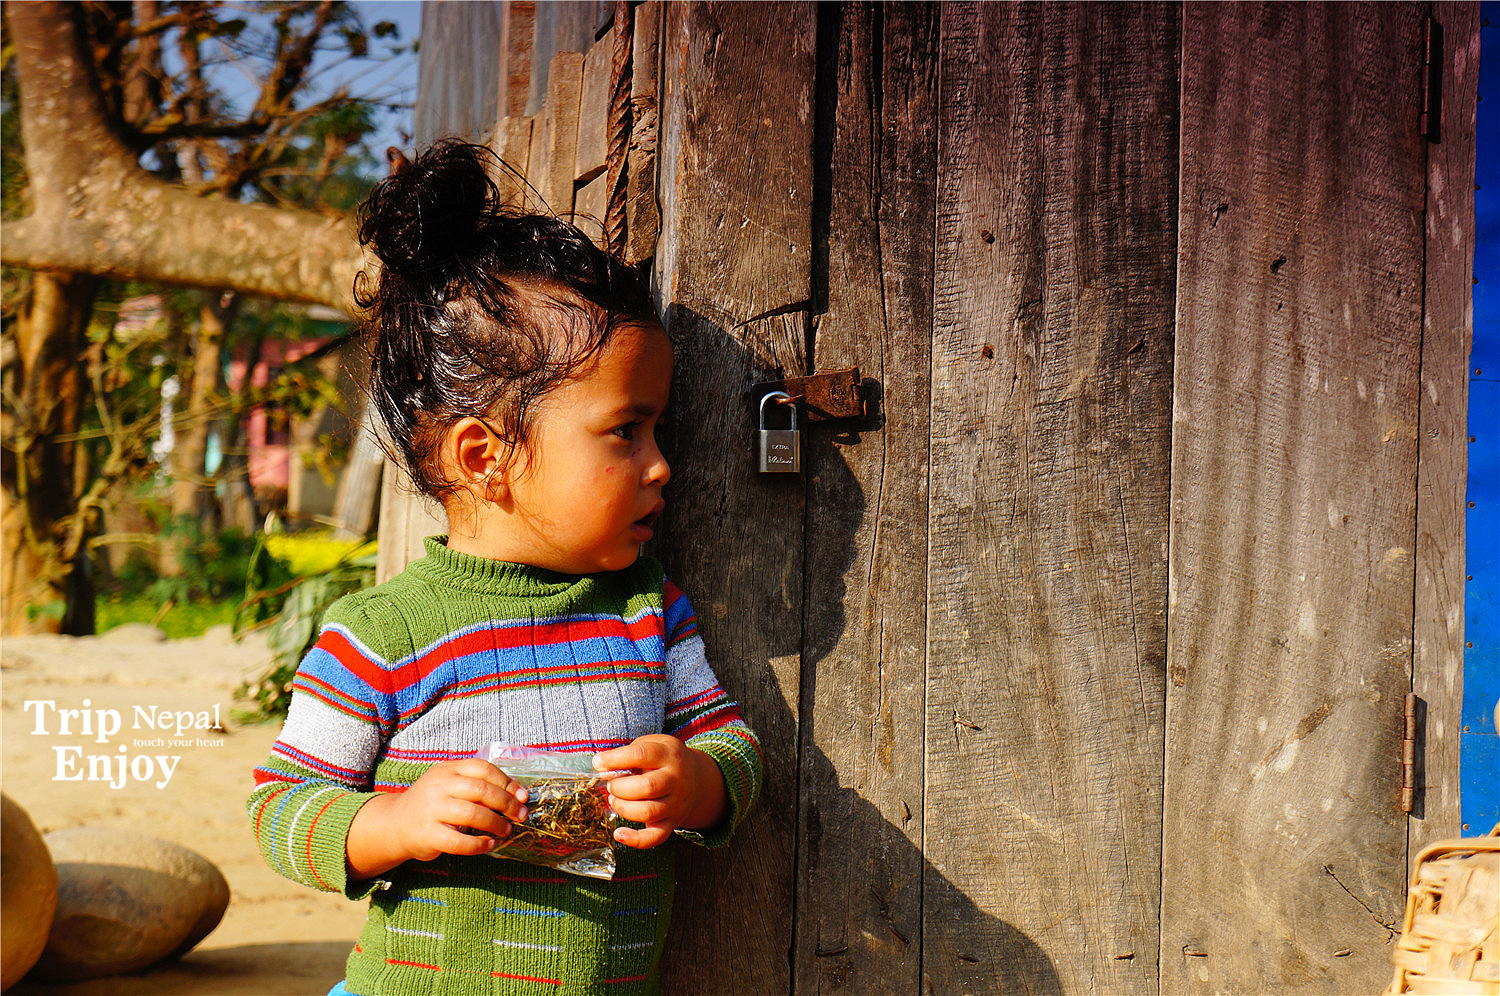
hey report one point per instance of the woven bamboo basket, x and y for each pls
(1450, 941)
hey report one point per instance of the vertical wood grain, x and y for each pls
(1051, 389)
(1294, 471)
(859, 908)
(405, 518)
(513, 146)
(1447, 331)
(517, 35)
(593, 111)
(458, 94)
(590, 184)
(558, 27)
(555, 135)
(733, 276)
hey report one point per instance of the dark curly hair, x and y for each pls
(479, 308)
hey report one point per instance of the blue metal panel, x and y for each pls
(1479, 747)
(1479, 760)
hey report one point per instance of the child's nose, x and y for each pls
(657, 472)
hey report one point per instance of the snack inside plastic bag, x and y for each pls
(569, 825)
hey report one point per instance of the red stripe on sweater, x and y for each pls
(266, 801)
(703, 724)
(413, 964)
(389, 681)
(305, 684)
(707, 695)
(311, 827)
(529, 978)
(312, 761)
(565, 674)
(263, 775)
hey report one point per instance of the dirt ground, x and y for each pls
(277, 938)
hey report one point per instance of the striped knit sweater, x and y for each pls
(456, 652)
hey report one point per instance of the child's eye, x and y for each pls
(626, 431)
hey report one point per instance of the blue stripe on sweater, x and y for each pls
(600, 657)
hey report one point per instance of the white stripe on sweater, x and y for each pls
(523, 944)
(291, 849)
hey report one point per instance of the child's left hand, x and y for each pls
(672, 786)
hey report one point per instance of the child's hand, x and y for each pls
(424, 821)
(674, 786)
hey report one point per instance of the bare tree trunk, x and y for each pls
(238, 508)
(46, 584)
(190, 483)
(192, 499)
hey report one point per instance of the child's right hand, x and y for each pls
(423, 822)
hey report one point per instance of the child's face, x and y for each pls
(587, 485)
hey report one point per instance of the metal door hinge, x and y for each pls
(1409, 755)
(836, 394)
(1432, 79)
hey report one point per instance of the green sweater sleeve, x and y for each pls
(736, 750)
(321, 768)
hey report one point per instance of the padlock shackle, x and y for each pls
(786, 399)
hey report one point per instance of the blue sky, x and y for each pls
(392, 80)
(1481, 747)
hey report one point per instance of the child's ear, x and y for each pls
(479, 456)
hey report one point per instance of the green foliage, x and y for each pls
(12, 166)
(277, 581)
(214, 571)
(213, 566)
(179, 620)
(299, 607)
(315, 551)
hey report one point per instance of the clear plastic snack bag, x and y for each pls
(569, 824)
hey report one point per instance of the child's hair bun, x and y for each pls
(431, 210)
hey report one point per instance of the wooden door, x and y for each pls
(1299, 348)
(1080, 663)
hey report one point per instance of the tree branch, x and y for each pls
(97, 211)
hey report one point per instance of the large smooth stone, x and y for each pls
(126, 900)
(133, 633)
(28, 892)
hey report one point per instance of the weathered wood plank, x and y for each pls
(458, 94)
(1051, 388)
(559, 27)
(358, 492)
(405, 518)
(859, 908)
(517, 36)
(1293, 507)
(589, 202)
(1447, 330)
(734, 272)
(593, 111)
(553, 155)
(514, 150)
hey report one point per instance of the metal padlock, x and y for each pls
(780, 449)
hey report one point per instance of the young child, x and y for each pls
(522, 372)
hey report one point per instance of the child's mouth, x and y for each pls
(643, 527)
